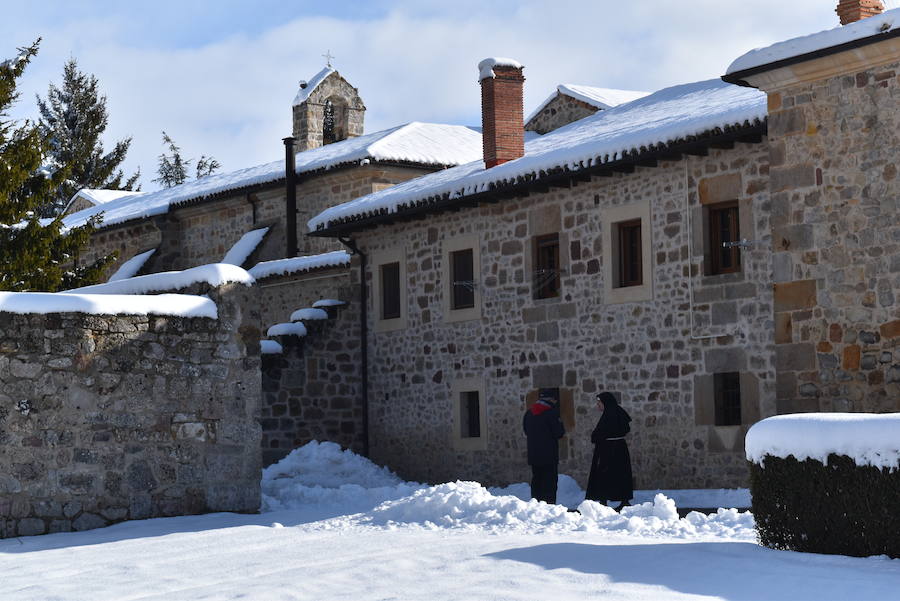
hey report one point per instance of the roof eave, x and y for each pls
(740, 77)
(559, 176)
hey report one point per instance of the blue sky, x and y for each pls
(219, 77)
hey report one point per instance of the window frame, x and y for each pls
(726, 411)
(378, 261)
(458, 389)
(448, 247)
(614, 293)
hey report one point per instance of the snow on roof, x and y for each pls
(602, 98)
(309, 314)
(129, 268)
(870, 439)
(486, 67)
(884, 23)
(180, 305)
(430, 144)
(667, 116)
(243, 248)
(298, 264)
(100, 196)
(215, 274)
(307, 87)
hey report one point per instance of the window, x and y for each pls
(724, 227)
(630, 256)
(546, 262)
(390, 291)
(727, 391)
(463, 279)
(470, 416)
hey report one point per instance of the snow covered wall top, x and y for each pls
(869, 439)
(176, 305)
(872, 26)
(667, 116)
(430, 144)
(215, 274)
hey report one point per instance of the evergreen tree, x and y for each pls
(73, 118)
(34, 255)
(173, 168)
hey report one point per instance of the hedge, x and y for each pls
(839, 508)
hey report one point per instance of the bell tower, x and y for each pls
(326, 109)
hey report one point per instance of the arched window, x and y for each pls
(328, 133)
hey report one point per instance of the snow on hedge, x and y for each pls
(178, 305)
(242, 249)
(297, 264)
(309, 315)
(270, 347)
(869, 439)
(287, 329)
(322, 474)
(872, 26)
(670, 115)
(130, 267)
(601, 98)
(431, 144)
(328, 302)
(215, 274)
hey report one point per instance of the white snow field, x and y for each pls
(335, 527)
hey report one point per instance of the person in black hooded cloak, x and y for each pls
(610, 478)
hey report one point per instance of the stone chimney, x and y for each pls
(851, 11)
(502, 113)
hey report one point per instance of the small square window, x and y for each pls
(727, 390)
(390, 291)
(724, 227)
(546, 266)
(630, 254)
(463, 279)
(470, 414)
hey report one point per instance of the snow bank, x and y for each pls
(886, 22)
(130, 267)
(309, 315)
(297, 264)
(178, 305)
(215, 274)
(869, 439)
(372, 496)
(238, 253)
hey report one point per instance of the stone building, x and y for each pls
(733, 257)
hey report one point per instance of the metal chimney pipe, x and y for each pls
(290, 182)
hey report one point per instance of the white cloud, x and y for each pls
(231, 98)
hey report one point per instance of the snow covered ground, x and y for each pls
(336, 527)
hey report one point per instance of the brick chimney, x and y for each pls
(851, 11)
(502, 114)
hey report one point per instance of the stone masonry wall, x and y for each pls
(659, 353)
(110, 418)
(312, 390)
(836, 234)
(282, 295)
(560, 111)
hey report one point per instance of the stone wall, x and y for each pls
(280, 296)
(312, 390)
(836, 235)
(560, 111)
(659, 352)
(111, 418)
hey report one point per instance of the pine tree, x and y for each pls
(34, 254)
(73, 118)
(173, 168)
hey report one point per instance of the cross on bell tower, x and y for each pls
(328, 56)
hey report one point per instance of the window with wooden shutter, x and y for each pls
(724, 227)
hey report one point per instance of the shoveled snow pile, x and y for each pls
(370, 496)
(870, 439)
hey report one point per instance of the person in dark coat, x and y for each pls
(544, 428)
(610, 478)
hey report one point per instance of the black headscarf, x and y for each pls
(614, 422)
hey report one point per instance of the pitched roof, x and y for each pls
(865, 31)
(602, 98)
(307, 87)
(670, 116)
(427, 144)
